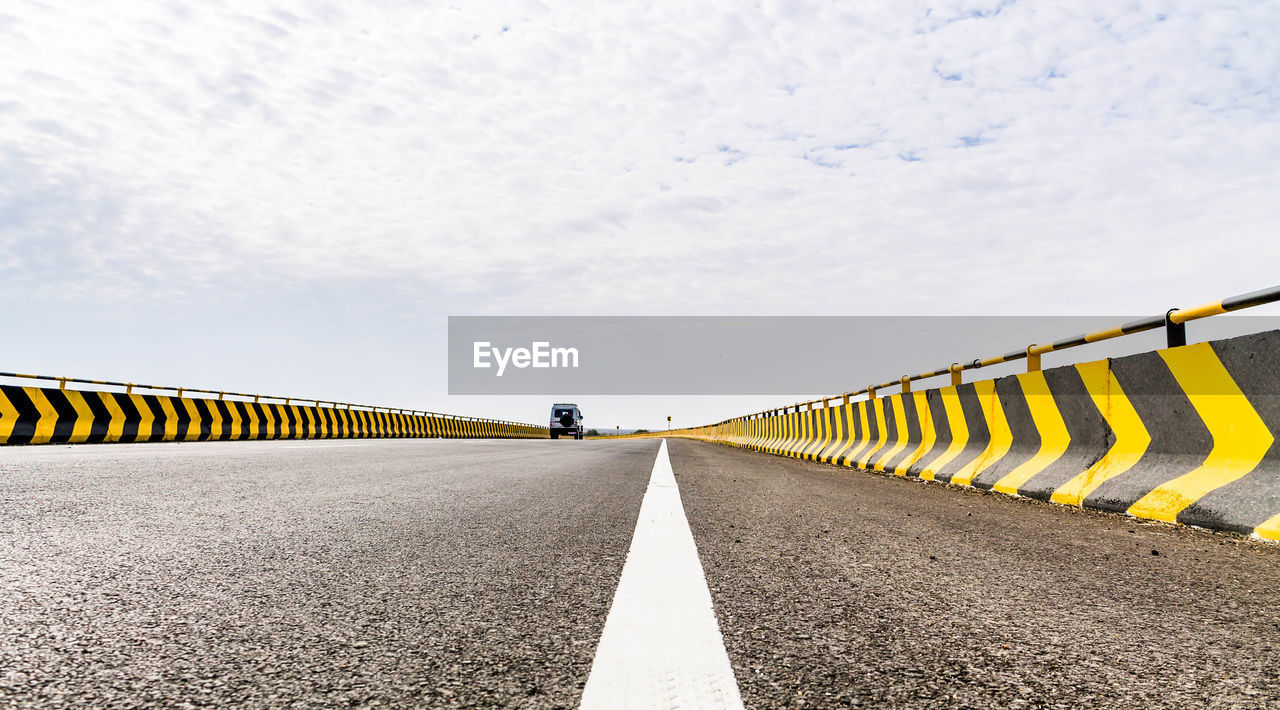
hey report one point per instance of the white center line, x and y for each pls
(661, 646)
(326, 446)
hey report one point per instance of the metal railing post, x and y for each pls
(1175, 333)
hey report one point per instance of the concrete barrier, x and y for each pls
(37, 415)
(1187, 435)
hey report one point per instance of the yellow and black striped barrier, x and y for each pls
(49, 415)
(1186, 434)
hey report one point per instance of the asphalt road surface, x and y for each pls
(480, 573)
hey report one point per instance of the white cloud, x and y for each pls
(683, 157)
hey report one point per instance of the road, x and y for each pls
(480, 573)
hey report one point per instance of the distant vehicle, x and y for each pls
(566, 420)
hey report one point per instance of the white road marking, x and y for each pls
(325, 446)
(661, 646)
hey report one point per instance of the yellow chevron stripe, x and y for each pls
(1240, 437)
(145, 418)
(170, 418)
(1001, 437)
(1269, 530)
(8, 417)
(215, 420)
(259, 423)
(48, 416)
(311, 423)
(829, 419)
(822, 436)
(837, 434)
(115, 420)
(288, 430)
(197, 424)
(900, 421)
(846, 420)
(877, 405)
(864, 437)
(1054, 438)
(1131, 435)
(816, 431)
(84, 417)
(235, 424)
(959, 432)
(927, 435)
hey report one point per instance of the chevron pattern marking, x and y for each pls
(37, 415)
(1187, 435)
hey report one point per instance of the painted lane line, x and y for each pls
(327, 446)
(661, 646)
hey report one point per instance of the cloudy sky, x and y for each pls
(293, 196)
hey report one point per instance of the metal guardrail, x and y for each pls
(1173, 321)
(129, 387)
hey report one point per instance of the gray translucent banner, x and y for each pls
(768, 355)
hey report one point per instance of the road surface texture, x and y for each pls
(479, 574)
(837, 587)
(311, 574)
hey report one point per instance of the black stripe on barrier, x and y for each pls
(855, 433)
(871, 406)
(979, 434)
(1025, 436)
(289, 425)
(1247, 502)
(132, 417)
(65, 423)
(181, 416)
(258, 419)
(830, 419)
(100, 417)
(914, 434)
(849, 414)
(330, 427)
(306, 422)
(158, 418)
(890, 408)
(24, 429)
(806, 433)
(941, 432)
(297, 421)
(1090, 436)
(1179, 439)
(228, 429)
(205, 425)
(242, 413)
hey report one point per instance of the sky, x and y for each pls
(292, 197)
